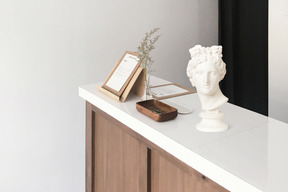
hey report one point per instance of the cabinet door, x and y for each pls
(178, 177)
(117, 159)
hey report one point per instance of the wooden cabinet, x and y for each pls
(120, 160)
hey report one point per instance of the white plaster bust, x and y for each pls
(205, 70)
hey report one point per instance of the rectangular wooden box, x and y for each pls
(157, 110)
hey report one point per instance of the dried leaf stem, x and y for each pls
(146, 46)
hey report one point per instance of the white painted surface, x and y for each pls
(250, 156)
(278, 60)
(50, 47)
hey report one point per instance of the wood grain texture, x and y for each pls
(168, 177)
(89, 148)
(118, 166)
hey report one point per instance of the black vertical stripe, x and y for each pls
(243, 33)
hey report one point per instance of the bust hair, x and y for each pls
(212, 54)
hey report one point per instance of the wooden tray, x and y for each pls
(157, 110)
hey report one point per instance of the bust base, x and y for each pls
(211, 122)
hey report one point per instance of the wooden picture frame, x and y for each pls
(122, 73)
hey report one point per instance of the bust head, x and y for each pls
(206, 67)
(205, 70)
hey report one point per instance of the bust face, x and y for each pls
(206, 78)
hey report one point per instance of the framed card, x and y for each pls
(122, 73)
(169, 90)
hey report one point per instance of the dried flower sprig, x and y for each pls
(146, 46)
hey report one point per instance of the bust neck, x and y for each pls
(212, 102)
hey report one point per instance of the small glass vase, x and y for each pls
(147, 94)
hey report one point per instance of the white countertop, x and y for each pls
(251, 156)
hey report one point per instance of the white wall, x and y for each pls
(50, 47)
(278, 60)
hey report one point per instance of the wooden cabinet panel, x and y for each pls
(119, 162)
(116, 157)
(168, 177)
